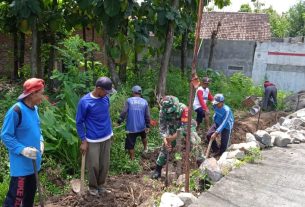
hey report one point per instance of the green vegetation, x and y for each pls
(252, 156)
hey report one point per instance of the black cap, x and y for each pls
(106, 84)
(206, 80)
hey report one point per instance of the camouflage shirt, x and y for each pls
(170, 122)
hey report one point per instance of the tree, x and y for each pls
(167, 50)
(279, 23)
(296, 19)
(245, 8)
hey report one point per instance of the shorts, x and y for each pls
(131, 139)
(200, 115)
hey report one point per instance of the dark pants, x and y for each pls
(21, 192)
(225, 139)
(270, 98)
(131, 139)
(200, 115)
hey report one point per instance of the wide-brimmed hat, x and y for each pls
(30, 86)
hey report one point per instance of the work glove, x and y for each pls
(30, 152)
(41, 147)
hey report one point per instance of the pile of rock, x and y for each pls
(288, 130)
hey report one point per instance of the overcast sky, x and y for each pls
(279, 5)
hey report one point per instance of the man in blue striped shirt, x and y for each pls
(223, 125)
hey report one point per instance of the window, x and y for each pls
(230, 67)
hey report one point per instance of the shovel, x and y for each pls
(166, 170)
(209, 149)
(78, 185)
(38, 184)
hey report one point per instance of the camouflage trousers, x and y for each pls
(196, 148)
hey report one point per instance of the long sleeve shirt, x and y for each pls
(93, 121)
(18, 133)
(223, 118)
(138, 117)
(201, 97)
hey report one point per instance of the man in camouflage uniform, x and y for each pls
(173, 116)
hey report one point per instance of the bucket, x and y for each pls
(254, 110)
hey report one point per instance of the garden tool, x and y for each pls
(209, 149)
(166, 169)
(78, 185)
(38, 183)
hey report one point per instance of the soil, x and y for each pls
(139, 190)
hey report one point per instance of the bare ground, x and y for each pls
(139, 190)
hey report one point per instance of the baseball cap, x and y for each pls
(206, 80)
(218, 98)
(136, 89)
(106, 84)
(30, 86)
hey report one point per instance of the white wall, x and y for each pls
(285, 68)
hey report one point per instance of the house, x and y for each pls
(229, 40)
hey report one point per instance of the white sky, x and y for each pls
(278, 5)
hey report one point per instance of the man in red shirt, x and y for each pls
(202, 95)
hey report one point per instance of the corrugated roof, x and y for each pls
(236, 26)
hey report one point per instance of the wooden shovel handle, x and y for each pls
(209, 148)
(82, 173)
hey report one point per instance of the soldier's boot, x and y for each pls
(157, 173)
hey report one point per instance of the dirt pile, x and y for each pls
(248, 124)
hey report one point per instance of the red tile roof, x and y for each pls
(236, 26)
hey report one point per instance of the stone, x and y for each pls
(250, 137)
(181, 180)
(281, 120)
(262, 146)
(223, 157)
(281, 139)
(244, 146)
(226, 165)
(238, 154)
(212, 169)
(170, 199)
(294, 123)
(284, 129)
(187, 198)
(296, 135)
(263, 137)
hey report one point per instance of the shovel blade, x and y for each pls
(75, 184)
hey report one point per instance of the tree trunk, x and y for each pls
(184, 51)
(123, 66)
(110, 62)
(21, 49)
(15, 44)
(85, 49)
(92, 53)
(136, 70)
(166, 56)
(122, 72)
(40, 73)
(34, 49)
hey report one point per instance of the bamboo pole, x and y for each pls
(194, 79)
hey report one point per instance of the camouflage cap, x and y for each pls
(169, 104)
